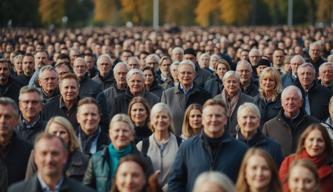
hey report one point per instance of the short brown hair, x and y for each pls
(48, 136)
(213, 102)
(88, 100)
(69, 76)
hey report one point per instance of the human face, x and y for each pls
(213, 120)
(88, 117)
(104, 66)
(174, 72)
(244, 72)
(120, 75)
(69, 90)
(50, 157)
(18, 66)
(248, 122)
(254, 57)
(260, 68)
(136, 84)
(149, 77)
(291, 103)
(139, 114)
(121, 135)
(186, 75)
(62, 70)
(314, 143)
(4, 73)
(160, 121)
(209, 187)
(28, 65)
(130, 177)
(133, 63)
(165, 66)
(90, 62)
(195, 119)
(301, 180)
(59, 131)
(278, 58)
(80, 68)
(30, 105)
(231, 86)
(267, 84)
(189, 57)
(40, 59)
(8, 121)
(48, 80)
(294, 63)
(314, 52)
(305, 76)
(326, 74)
(257, 173)
(221, 70)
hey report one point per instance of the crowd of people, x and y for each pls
(133, 109)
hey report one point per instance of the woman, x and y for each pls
(303, 177)
(192, 123)
(151, 82)
(18, 64)
(138, 111)
(248, 131)
(258, 173)
(77, 161)
(103, 164)
(213, 181)
(268, 100)
(215, 85)
(162, 145)
(315, 145)
(163, 75)
(130, 176)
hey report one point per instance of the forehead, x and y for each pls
(53, 144)
(7, 109)
(242, 66)
(136, 76)
(120, 125)
(69, 81)
(40, 54)
(213, 109)
(49, 73)
(304, 69)
(247, 111)
(79, 62)
(31, 94)
(90, 107)
(290, 93)
(185, 67)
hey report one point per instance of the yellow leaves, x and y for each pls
(104, 10)
(204, 9)
(325, 10)
(51, 11)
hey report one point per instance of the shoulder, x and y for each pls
(20, 186)
(246, 98)
(77, 186)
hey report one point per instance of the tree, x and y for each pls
(204, 11)
(325, 11)
(180, 12)
(107, 11)
(51, 11)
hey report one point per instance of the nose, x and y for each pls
(301, 185)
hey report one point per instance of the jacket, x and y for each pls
(259, 140)
(194, 157)
(232, 120)
(106, 82)
(162, 160)
(11, 90)
(252, 88)
(214, 86)
(33, 185)
(178, 102)
(268, 110)
(287, 132)
(29, 132)
(98, 173)
(89, 88)
(75, 168)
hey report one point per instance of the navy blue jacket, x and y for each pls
(194, 157)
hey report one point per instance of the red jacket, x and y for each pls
(324, 170)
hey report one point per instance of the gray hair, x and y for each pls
(154, 57)
(246, 63)
(328, 64)
(254, 50)
(305, 65)
(9, 101)
(121, 117)
(162, 107)
(247, 105)
(99, 60)
(80, 59)
(27, 89)
(132, 72)
(229, 74)
(46, 68)
(289, 88)
(330, 58)
(316, 43)
(118, 65)
(187, 62)
(297, 57)
(177, 50)
(215, 177)
(174, 64)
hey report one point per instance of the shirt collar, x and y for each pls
(182, 89)
(45, 187)
(30, 125)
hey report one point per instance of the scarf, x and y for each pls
(231, 105)
(116, 155)
(323, 168)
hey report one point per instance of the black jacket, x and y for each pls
(29, 132)
(33, 185)
(106, 82)
(89, 88)
(11, 90)
(214, 86)
(268, 110)
(86, 141)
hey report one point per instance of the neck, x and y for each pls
(69, 104)
(186, 87)
(245, 83)
(139, 124)
(326, 83)
(307, 87)
(122, 86)
(247, 134)
(291, 115)
(4, 82)
(48, 92)
(259, 190)
(51, 181)
(162, 135)
(269, 95)
(30, 120)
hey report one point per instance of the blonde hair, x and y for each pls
(161, 107)
(270, 72)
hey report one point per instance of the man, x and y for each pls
(315, 58)
(268, 54)
(90, 60)
(48, 81)
(202, 75)
(135, 81)
(152, 61)
(315, 96)
(289, 124)
(28, 68)
(9, 87)
(125, 55)
(177, 54)
(14, 152)
(213, 149)
(178, 98)
(106, 97)
(31, 122)
(326, 75)
(41, 59)
(65, 104)
(88, 87)
(50, 156)
(278, 60)
(133, 63)
(249, 85)
(62, 67)
(73, 54)
(105, 76)
(90, 135)
(254, 56)
(290, 77)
